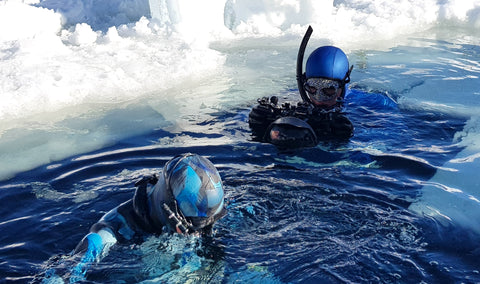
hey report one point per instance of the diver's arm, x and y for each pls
(93, 247)
(103, 234)
(119, 224)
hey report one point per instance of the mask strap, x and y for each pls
(346, 79)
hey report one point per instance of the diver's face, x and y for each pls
(323, 92)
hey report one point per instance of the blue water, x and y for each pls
(331, 213)
(334, 213)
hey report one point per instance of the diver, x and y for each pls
(188, 198)
(319, 115)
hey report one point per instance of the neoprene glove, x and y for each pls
(261, 116)
(342, 127)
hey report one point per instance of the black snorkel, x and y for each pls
(300, 76)
(191, 225)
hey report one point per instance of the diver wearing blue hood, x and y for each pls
(319, 115)
(187, 198)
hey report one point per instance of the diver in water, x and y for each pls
(186, 199)
(320, 113)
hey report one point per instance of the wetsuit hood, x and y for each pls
(328, 62)
(189, 190)
(158, 195)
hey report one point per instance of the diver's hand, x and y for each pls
(148, 179)
(262, 115)
(92, 248)
(266, 108)
(342, 126)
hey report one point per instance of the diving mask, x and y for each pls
(322, 90)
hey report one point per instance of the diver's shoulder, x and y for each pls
(373, 99)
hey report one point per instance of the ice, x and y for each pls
(58, 54)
